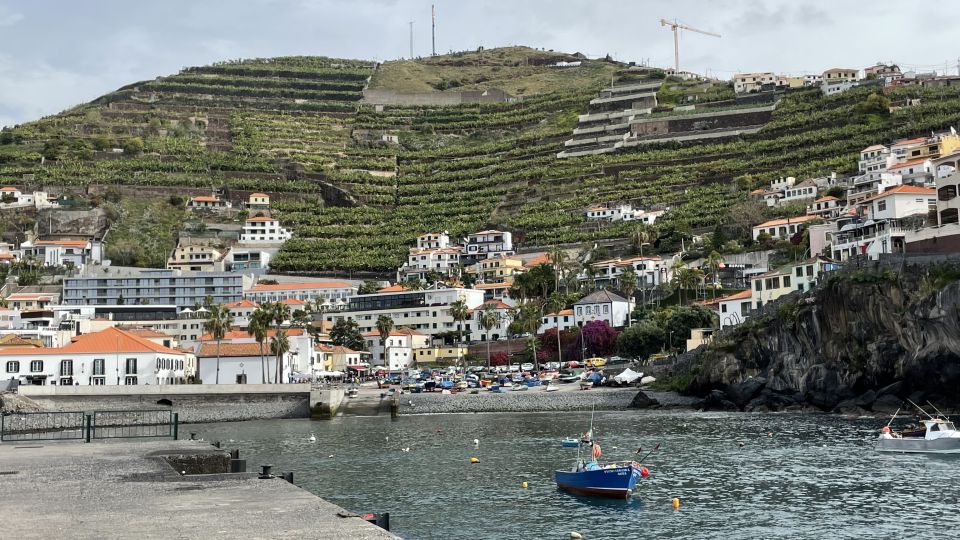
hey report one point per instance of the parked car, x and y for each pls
(596, 362)
(526, 366)
(552, 365)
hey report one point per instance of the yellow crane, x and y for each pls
(674, 25)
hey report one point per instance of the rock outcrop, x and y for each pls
(863, 342)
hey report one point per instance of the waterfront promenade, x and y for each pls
(124, 489)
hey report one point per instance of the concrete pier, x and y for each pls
(124, 489)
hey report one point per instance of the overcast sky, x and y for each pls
(55, 54)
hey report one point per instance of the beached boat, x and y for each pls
(938, 436)
(552, 387)
(353, 392)
(614, 480)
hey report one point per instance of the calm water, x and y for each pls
(816, 477)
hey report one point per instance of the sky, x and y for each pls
(56, 54)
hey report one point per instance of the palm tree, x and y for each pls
(280, 313)
(279, 346)
(259, 327)
(628, 284)
(558, 258)
(714, 261)
(641, 234)
(459, 312)
(300, 319)
(488, 318)
(557, 304)
(384, 327)
(217, 325)
(530, 315)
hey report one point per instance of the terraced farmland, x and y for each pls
(296, 128)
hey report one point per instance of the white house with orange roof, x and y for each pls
(332, 358)
(64, 252)
(437, 240)
(602, 305)
(299, 358)
(496, 291)
(208, 202)
(735, 308)
(880, 229)
(398, 352)
(334, 293)
(802, 191)
(258, 201)
(650, 271)
(263, 230)
(25, 301)
(496, 269)
(240, 363)
(476, 332)
(196, 258)
(241, 310)
(825, 207)
(784, 228)
(422, 261)
(109, 357)
(562, 320)
(873, 159)
(426, 310)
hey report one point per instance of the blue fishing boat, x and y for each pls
(614, 480)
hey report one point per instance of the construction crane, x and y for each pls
(674, 25)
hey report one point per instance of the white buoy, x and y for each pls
(407, 449)
(313, 438)
(574, 535)
(330, 456)
(476, 443)
(388, 438)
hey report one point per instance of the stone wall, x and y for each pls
(194, 403)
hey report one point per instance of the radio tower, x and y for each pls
(433, 30)
(411, 39)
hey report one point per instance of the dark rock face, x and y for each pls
(856, 345)
(643, 401)
(717, 401)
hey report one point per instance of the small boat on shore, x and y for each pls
(552, 387)
(937, 436)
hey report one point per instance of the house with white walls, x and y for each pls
(602, 305)
(398, 352)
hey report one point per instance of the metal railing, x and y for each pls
(130, 424)
(42, 426)
(46, 426)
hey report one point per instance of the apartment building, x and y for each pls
(111, 285)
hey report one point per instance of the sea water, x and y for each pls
(737, 475)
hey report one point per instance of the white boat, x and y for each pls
(520, 388)
(938, 436)
(552, 387)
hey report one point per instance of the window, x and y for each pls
(799, 271)
(579, 310)
(758, 285)
(810, 270)
(131, 366)
(130, 380)
(98, 381)
(66, 368)
(13, 367)
(36, 366)
(881, 206)
(786, 281)
(723, 308)
(606, 309)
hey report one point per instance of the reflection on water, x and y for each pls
(795, 476)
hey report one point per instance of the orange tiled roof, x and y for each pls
(784, 221)
(293, 302)
(543, 258)
(828, 198)
(243, 334)
(144, 332)
(13, 340)
(110, 340)
(64, 243)
(260, 219)
(336, 349)
(8, 188)
(234, 349)
(241, 304)
(205, 198)
(909, 163)
(32, 296)
(397, 332)
(916, 140)
(736, 296)
(393, 288)
(301, 286)
(258, 194)
(562, 312)
(908, 190)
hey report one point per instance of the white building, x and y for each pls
(427, 311)
(803, 191)
(744, 83)
(241, 310)
(504, 313)
(900, 202)
(208, 202)
(602, 305)
(31, 301)
(398, 354)
(650, 271)
(109, 357)
(438, 240)
(873, 159)
(112, 285)
(258, 201)
(562, 320)
(798, 276)
(249, 260)
(333, 293)
(622, 212)
(782, 229)
(734, 309)
(11, 197)
(299, 358)
(263, 230)
(483, 244)
(422, 261)
(824, 207)
(240, 363)
(64, 252)
(196, 258)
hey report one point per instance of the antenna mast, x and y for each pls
(411, 39)
(433, 30)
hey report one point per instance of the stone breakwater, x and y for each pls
(529, 401)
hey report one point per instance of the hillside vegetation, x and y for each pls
(296, 127)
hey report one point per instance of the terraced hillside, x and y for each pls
(297, 128)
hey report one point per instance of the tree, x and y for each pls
(259, 328)
(529, 315)
(641, 340)
(217, 325)
(686, 318)
(488, 318)
(300, 319)
(279, 346)
(368, 287)
(280, 313)
(628, 284)
(346, 332)
(384, 327)
(597, 338)
(558, 258)
(642, 234)
(459, 312)
(714, 262)
(500, 359)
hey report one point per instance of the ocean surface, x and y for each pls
(796, 476)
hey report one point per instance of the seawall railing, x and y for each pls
(78, 425)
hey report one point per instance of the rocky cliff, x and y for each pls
(864, 341)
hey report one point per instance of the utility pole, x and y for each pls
(411, 39)
(433, 30)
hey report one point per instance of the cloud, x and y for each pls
(8, 17)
